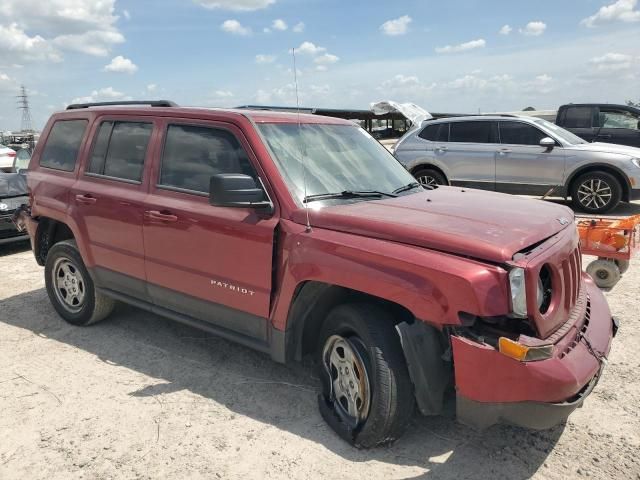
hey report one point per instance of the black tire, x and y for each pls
(608, 198)
(94, 306)
(429, 177)
(370, 330)
(605, 273)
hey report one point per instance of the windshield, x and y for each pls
(560, 132)
(337, 158)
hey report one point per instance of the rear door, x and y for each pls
(107, 202)
(619, 126)
(210, 263)
(469, 155)
(522, 165)
(581, 120)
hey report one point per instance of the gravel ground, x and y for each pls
(138, 396)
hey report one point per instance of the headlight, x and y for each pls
(636, 162)
(518, 292)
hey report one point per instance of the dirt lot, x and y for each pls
(138, 396)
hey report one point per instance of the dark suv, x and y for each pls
(301, 235)
(602, 122)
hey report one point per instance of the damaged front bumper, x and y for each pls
(493, 388)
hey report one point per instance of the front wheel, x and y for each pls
(367, 393)
(596, 192)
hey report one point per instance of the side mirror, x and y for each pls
(548, 143)
(236, 190)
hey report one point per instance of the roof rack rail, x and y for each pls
(151, 103)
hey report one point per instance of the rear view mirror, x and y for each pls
(548, 143)
(236, 190)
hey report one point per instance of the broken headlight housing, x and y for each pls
(518, 289)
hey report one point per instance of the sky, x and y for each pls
(463, 56)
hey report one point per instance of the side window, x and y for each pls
(193, 154)
(518, 133)
(436, 133)
(619, 119)
(578, 117)
(120, 149)
(473, 132)
(63, 145)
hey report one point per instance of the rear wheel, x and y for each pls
(596, 192)
(430, 178)
(70, 287)
(367, 393)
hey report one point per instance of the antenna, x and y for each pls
(23, 104)
(301, 143)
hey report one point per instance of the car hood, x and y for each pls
(484, 225)
(12, 185)
(607, 148)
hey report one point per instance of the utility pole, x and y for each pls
(23, 105)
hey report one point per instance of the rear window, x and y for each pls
(436, 133)
(63, 145)
(120, 149)
(473, 132)
(578, 117)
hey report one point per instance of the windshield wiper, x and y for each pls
(407, 187)
(348, 194)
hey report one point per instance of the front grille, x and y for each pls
(571, 271)
(7, 228)
(582, 331)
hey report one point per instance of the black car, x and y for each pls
(602, 122)
(13, 194)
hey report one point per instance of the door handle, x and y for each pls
(441, 149)
(604, 136)
(162, 217)
(504, 151)
(86, 199)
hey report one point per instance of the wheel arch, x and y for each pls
(431, 166)
(605, 168)
(312, 302)
(48, 233)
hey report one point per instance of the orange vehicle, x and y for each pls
(613, 241)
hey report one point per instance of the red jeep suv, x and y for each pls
(301, 235)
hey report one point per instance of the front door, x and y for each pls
(619, 126)
(206, 262)
(470, 153)
(522, 165)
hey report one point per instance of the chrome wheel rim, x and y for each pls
(594, 193)
(69, 285)
(350, 390)
(428, 181)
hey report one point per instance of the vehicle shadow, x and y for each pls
(12, 248)
(249, 384)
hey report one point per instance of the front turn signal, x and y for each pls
(523, 353)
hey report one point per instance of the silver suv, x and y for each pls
(521, 155)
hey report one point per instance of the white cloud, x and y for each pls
(398, 26)
(121, 64)
(234, 27)
(310, 49)
(405, 86)
(223, 93)
(152, 87)
(263, 59)
(612, 62)
(126, 14)
(463, 47)
(534, 29)
(505, 30)
(475, 82)
(279, 24)
(321, 68)
(237, 5)
(266, 30)
(542, 84)
(104, 94)
(86, 26)
(326, 58)
(298, 27)
(15, 43)
(620, 11)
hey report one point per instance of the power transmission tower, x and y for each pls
(23, 105)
